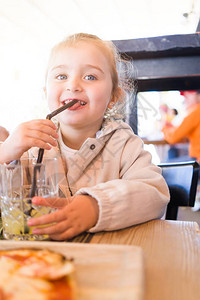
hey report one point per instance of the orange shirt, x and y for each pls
(189, 128)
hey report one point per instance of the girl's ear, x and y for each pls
(117, 96)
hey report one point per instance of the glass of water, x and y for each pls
(19, 183)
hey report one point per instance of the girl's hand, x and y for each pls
(79, 215)
(35, 133)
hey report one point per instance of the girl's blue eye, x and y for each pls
(90, 77)
(61, 77)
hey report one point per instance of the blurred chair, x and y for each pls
(182, 180)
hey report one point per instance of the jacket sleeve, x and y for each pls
(140, 194)
(175, 134)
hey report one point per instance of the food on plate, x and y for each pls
(38, 274)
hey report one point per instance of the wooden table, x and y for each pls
(171, 256)
(155, 142)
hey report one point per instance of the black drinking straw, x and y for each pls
(49, 116)
(41, 150)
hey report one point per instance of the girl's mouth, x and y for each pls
(76, 105)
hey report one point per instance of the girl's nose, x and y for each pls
(73, 85)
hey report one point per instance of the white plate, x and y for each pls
(103, 272)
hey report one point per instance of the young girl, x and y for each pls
(106, 179)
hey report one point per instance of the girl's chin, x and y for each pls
(81, 124)
(71, 122)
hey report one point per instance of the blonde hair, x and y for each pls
(120, 69)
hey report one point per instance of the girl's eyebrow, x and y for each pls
(58, 67)
(94, 67)
(85, 66)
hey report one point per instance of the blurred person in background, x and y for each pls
(3, 134)
(189, 128)
(172, 120)
(172, 115)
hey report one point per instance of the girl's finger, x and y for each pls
(54, 217)
(39, 122)
(53, 229)
(42, 136)
(51, 202)
(35, 142)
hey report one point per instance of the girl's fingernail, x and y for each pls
(36, 200)
(29, 223)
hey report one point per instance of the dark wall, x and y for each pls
(163, 63)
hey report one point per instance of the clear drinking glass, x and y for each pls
(19, 183)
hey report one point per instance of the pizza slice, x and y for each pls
(41, 274)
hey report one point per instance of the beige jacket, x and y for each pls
(115, 170)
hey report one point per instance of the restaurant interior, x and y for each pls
(162, 41)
